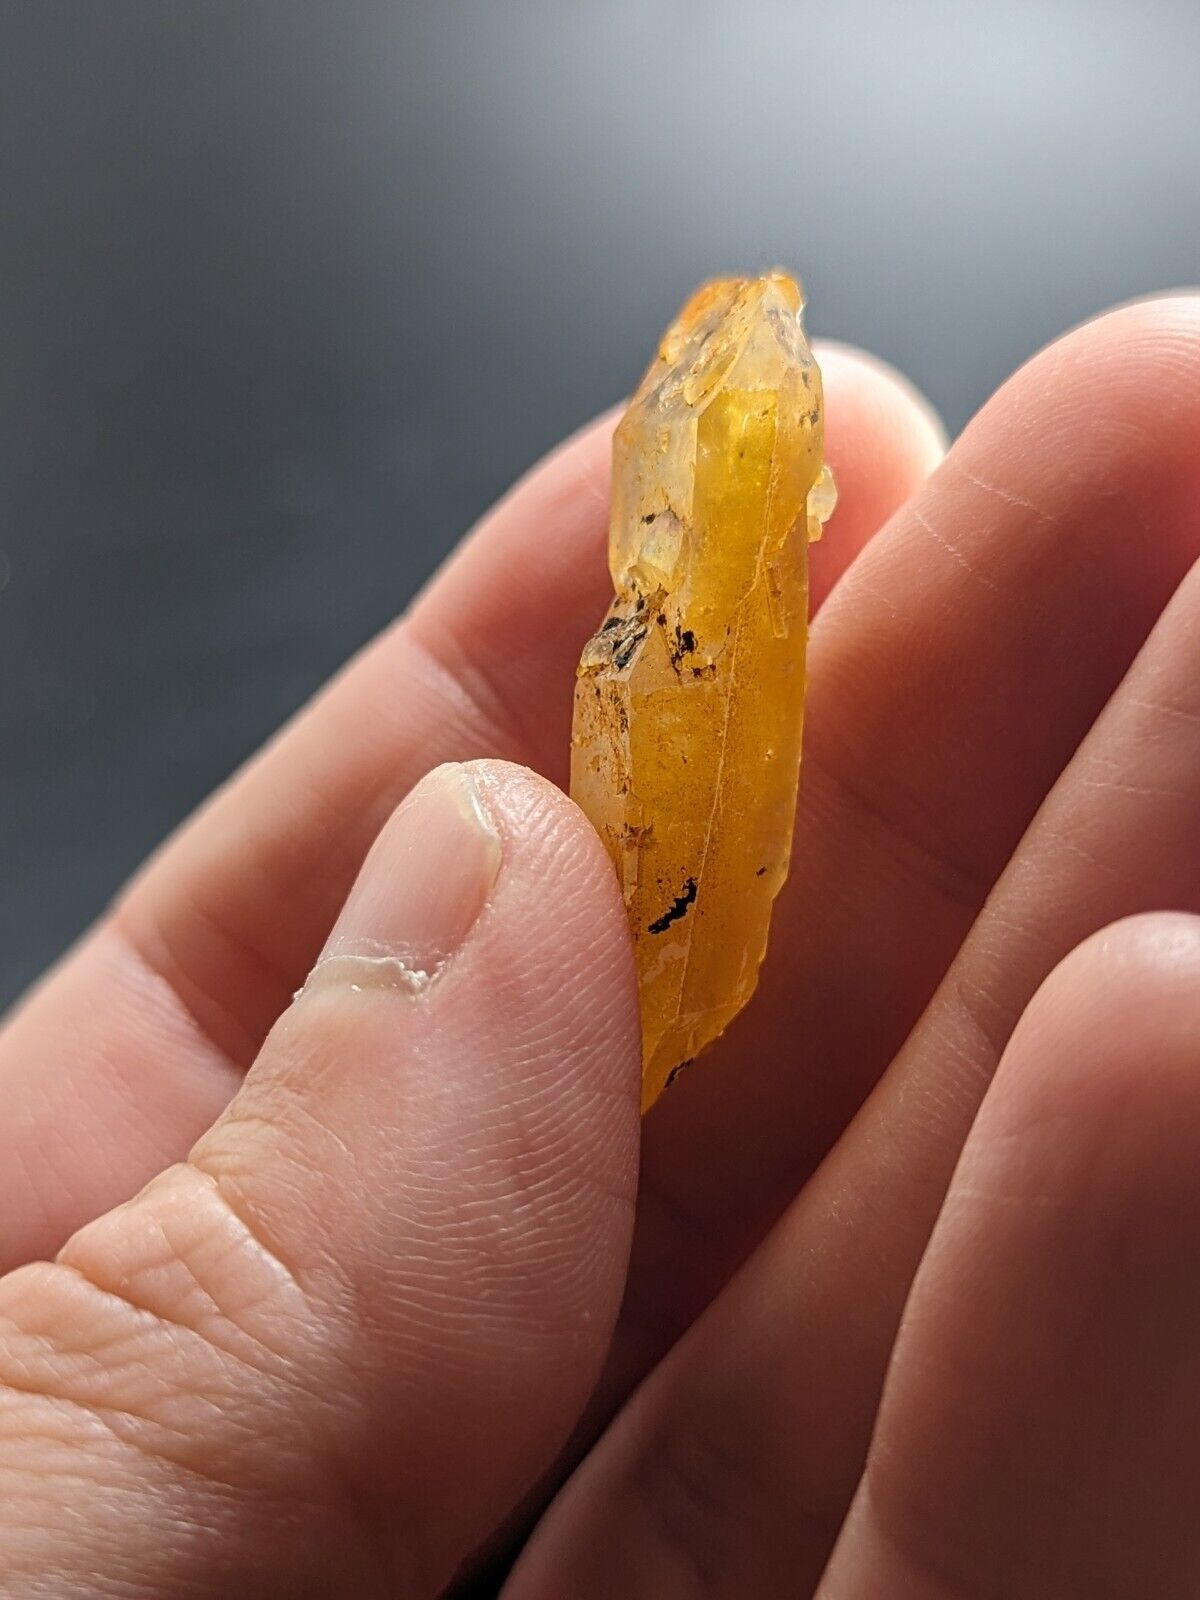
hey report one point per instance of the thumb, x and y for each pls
(329, 1352)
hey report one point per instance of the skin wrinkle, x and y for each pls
(986, 1017)
(215, 1024)
(148, 1320)
(978, 576)
(1007, 497)
(173, 1446)
(1189, 714)
(269, 1127)
(251, 1233)
(107, 1420)
(1090, 859)
(150, 939)
(1139, 791)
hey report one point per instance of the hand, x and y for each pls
(950, 1339)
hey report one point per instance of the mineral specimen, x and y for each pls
(689, 699)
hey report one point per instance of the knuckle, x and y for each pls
(183, 1257)
(170, 1357)
(165, 1328)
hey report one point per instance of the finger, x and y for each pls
(952, 674)
(329, 1350)
(116, 1063)
(762, 1414)
(1039, 1428)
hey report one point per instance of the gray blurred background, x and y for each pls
(290, 291)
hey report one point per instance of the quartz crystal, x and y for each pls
(690, 697)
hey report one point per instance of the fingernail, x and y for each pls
(420, 891)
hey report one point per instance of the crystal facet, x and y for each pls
(689, 699)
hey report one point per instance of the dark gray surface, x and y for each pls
(289, 291)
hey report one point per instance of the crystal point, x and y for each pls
(689, 699)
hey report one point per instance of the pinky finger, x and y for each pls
(1040, 1428)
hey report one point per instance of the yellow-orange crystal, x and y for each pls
(690, 698)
